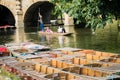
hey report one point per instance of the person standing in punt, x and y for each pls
(41, 22)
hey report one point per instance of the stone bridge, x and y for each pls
(13, 12)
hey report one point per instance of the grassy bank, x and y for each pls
(5, 75)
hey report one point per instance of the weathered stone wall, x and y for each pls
(10, 4)
(15, 5)
(20, 7)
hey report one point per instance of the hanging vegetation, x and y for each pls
(95, 13)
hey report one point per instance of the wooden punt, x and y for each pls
(7, 27)
(54, 33)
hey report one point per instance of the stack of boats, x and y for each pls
(7, 27)
(36, 62)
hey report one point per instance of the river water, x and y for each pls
(107, 39)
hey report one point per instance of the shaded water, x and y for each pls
(107, 39)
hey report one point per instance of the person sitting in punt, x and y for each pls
(61, 30)
(48, 30)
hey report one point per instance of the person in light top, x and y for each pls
(61, 30)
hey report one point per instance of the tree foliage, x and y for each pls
(96, 13)
(60, 7)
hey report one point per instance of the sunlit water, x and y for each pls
(107, 39)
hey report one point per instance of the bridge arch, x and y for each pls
(31, 15)
(6, 16)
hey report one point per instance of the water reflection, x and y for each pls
(107, 39)
(49, 39)
(45, 39)
(42, 39)
(6, 36)
(61, 40)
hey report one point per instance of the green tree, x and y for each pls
(96, 13)
(60, 7)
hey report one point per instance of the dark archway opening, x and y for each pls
(6, 16)
(31, 17)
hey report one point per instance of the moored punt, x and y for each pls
(34, 47)
(16, 49)
(21, 69)
(36, 70)
(25, 48)
(7, 27)
(54, 33)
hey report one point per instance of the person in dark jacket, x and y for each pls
(63, 30)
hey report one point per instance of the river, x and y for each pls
(107, 39)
